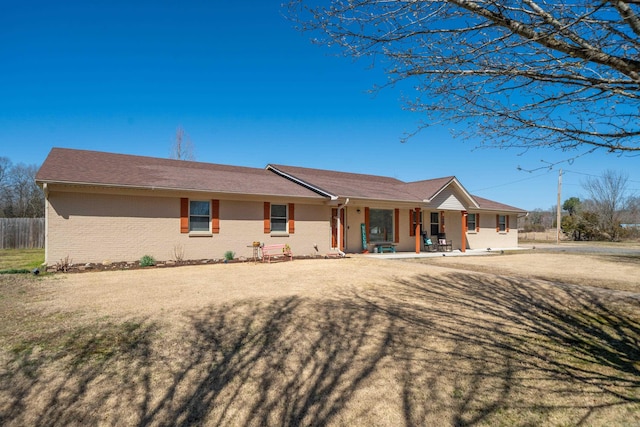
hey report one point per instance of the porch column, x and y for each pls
(463, 248)
(417, 231)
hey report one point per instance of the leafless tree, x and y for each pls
(609, 195)
(182, 148)
(5, 166)
(20, 197)
(633, 210)
(529, 73)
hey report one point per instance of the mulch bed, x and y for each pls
(135, 265)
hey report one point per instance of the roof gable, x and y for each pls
(432, 190)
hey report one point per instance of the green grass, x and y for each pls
(21, 259)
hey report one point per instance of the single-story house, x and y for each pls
(115, 207)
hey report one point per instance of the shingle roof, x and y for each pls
(495, 206)
(120, 170)
(354, 185)
(374, 187)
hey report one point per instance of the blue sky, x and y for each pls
(247, 88)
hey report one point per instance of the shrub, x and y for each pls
(64, 264)
(147, 261)
(229, 255)
(178, 253)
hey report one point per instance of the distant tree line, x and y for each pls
(20, 197)
(609, 212)
(538, 220)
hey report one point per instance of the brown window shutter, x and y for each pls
(477, 222)
(215, 216)
(292, 220)
(342, 211)
(442, 225)
(507, 223)
(184, 215)
(366, 222)
(267, 217)
(465, 219)
(396, 231)
(498, 223)
(412, 230)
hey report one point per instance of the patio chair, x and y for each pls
(430, 245)
(444, 244)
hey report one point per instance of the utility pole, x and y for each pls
(558, 208)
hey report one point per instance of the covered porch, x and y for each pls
(450, 221)
(382, 229)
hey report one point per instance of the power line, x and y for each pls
(511, 182)
(594, 176)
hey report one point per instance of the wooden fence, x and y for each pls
(21, 233)
(540, 236)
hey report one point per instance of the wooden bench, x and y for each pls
(276, 251)
(383, 247)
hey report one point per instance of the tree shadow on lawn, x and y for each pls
(65, 377)
(515, 352)
(633, 260)
(459, 349)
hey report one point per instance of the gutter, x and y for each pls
(44, 182)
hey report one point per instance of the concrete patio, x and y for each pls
(456, 252)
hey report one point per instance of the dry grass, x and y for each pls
(616, 272)
(331, 342)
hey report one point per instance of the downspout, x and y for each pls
(338, 234)
(45, 190)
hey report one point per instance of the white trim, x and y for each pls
(171, 189)
(298, 181)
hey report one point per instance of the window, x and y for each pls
(471, 222)
(381, 225)
(501, 223)
(199, 215)
(435, 224)
(279, 218)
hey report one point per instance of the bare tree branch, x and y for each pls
(182, 148)
(530, 73)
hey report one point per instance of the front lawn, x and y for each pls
(355, 341)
